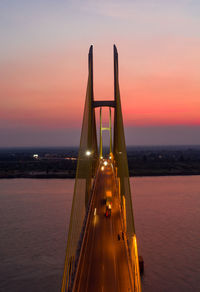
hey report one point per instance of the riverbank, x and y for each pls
(50, 163)
(43, 175)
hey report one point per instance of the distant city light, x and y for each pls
(102, 168)
(88, 153)
(105, 163)
(70, 158)
(36, 156)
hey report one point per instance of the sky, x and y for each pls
(43, 69)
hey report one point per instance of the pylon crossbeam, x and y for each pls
(104, 103)
(105, 129)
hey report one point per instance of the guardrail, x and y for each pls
(72, 277)
(131, 247)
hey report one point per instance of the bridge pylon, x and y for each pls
(110, 134)
(120, 158)
(85, 172)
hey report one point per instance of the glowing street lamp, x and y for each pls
(36, 156)
(88, 153)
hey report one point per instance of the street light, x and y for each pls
(88, 153)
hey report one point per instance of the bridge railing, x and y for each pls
(72, 275)
(130, 243)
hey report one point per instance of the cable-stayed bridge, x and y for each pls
(101, 252)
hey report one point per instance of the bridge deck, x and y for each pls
(103, 263)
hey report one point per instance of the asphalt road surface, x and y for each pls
(103, 264)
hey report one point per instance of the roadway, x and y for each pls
(103, 264)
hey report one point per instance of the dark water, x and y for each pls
(34, 217)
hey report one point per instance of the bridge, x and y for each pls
(101, 252)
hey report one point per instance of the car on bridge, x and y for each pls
(108, 204)
(108, 210)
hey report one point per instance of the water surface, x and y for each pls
(34, 218)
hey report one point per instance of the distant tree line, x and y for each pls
(61, 162)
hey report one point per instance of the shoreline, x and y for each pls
(72, 176)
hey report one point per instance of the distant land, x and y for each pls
(60, 162)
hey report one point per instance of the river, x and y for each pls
(34, 218)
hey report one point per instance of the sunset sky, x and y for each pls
(43, 68)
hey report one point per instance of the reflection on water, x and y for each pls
(34, 217)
